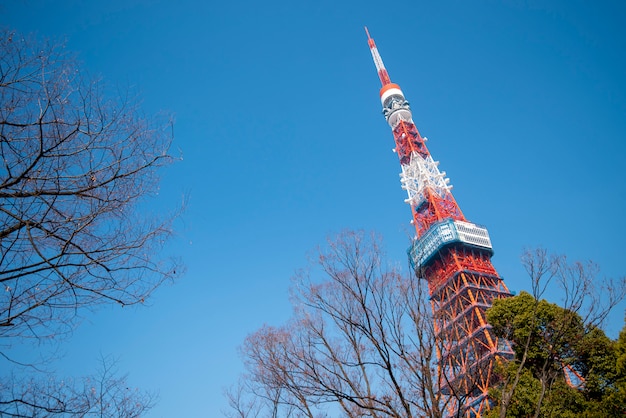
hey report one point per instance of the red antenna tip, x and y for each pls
(370, 41)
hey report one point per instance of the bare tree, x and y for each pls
(361, 342)
(103, 395)
(77, 168)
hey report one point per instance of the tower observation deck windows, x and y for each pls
(446, 233)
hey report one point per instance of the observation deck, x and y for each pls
(445, 233)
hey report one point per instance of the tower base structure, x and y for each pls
(462, 285)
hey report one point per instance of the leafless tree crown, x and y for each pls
(105, 394)
(75, 167)
(361, 343)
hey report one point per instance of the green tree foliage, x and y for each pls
(562, 367)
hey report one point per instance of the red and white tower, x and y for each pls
(453, 256)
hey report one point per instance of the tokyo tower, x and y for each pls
(453, 255)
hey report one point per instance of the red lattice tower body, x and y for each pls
(454, 256)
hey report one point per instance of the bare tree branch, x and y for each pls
(105, 395)
(361, 342)
(76, 168)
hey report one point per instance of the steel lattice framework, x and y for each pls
(453, 255)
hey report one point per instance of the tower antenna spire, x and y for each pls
(378, 61)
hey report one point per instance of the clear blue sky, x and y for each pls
(279, 123)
